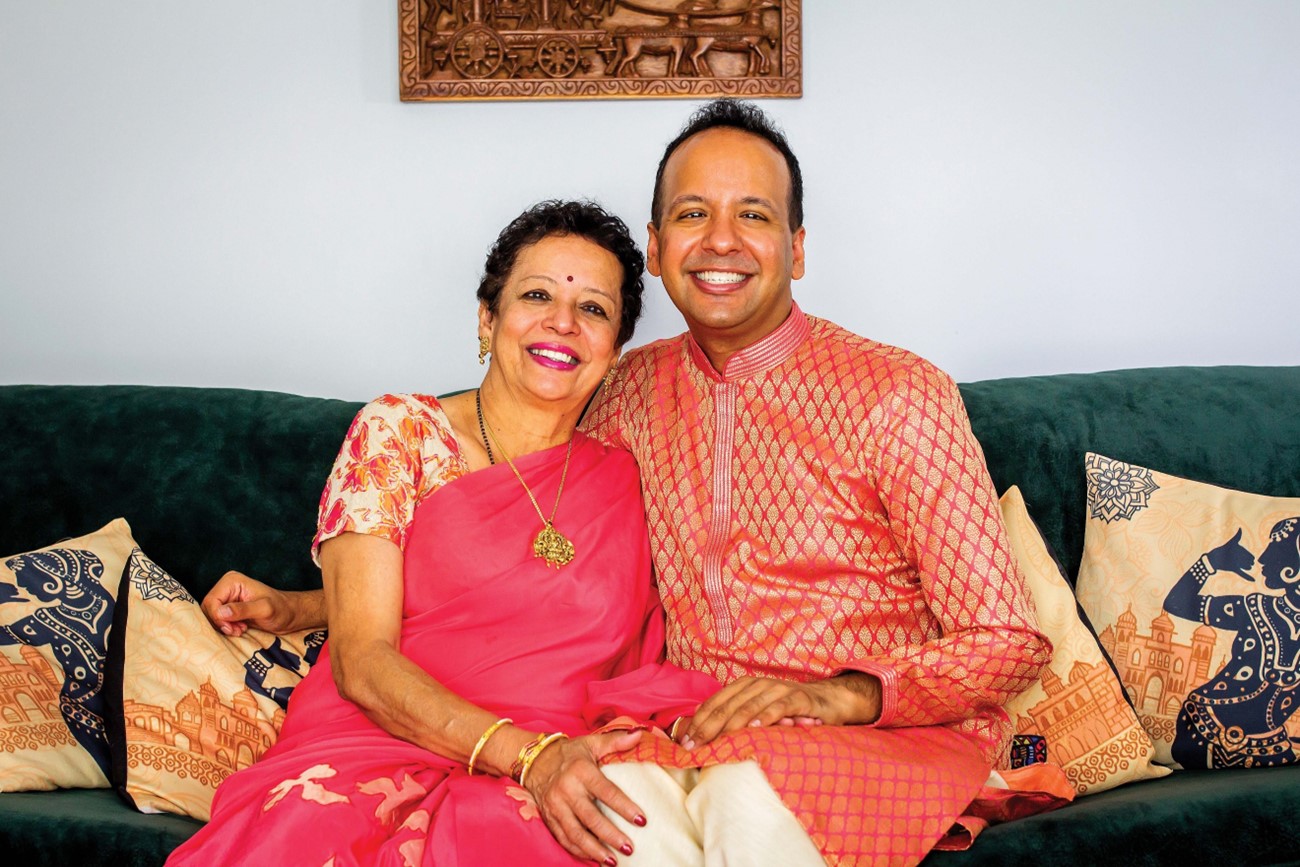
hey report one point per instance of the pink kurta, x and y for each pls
(822, 506)
(551, 649)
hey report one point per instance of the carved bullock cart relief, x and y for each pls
(584, 49)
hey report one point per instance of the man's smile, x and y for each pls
(720, 278)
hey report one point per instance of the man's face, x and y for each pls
(725, 249)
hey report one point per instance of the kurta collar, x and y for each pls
(761, 356)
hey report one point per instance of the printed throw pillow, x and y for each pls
(195, 705)
(56, 613)
(1196, 591)
(1077, 708)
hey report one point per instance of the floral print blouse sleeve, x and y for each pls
(399, 449)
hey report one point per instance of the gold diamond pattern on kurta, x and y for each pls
(864, 533)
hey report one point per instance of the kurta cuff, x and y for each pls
(888, 687)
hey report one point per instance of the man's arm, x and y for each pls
(238, 602)
(603, 418)
(944, 514)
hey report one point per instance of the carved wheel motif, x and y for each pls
(557, 56)
(477, 51)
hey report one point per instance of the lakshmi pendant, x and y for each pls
(552, 547)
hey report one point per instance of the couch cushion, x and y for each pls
(1077, 705)
(56, 619)
(191, 706)
(1232, 817)
(85, 826)
(1182, 580)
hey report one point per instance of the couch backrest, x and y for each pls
(1236, 427)
(216, 479)
(209, 479)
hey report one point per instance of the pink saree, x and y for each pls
(551, 649)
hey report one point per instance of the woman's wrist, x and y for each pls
(483, 740)
(529, 754)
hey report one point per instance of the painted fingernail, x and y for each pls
(610, 862)
(638, 820)
(626, 848)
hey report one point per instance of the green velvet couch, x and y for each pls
(217, 479)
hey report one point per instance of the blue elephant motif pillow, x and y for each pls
(56, 618)
(194, 705)
(1195, 591)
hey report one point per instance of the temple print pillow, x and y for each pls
(195, 705)
(1076, 713)
(1196, 591)
(56, 613)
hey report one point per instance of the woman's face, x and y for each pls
(555, 329)
(1279, 563)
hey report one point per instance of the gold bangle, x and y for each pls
(530, 752)
(546, 742)
(672, 729)
(478, 747)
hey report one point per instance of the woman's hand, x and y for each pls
(566, 782)
(237, 602)
(1232, 556)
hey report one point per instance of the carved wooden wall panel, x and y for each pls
(591, 49)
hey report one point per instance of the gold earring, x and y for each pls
(484, 346)
(609, 377)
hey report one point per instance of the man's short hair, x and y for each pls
(746, 117)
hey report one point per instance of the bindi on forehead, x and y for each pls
(570, 278)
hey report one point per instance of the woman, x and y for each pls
(487, 580)
(1238, 718)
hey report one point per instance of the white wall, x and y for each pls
(231, 193)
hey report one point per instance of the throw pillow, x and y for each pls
(1196, 591)
(56, 613)
(1077, 708)
(195, 705)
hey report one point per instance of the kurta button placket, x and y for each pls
(724, 441)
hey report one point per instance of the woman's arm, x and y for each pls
(1185, 599)
(363, 598)
(237, 602)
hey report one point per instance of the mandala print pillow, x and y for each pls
(195, 705)
(56, 613)
(1077, 710)
(1196, 591)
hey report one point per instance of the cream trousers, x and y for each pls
(721, 816)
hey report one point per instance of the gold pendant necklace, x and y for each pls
(550, 544)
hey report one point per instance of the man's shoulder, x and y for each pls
(664, 348)
(870, 361)
(643, 361)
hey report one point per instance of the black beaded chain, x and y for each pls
(482, 429)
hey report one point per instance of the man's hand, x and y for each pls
(566, 782)
(852, 698)
(238, 602)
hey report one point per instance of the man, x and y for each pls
(826, 539)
